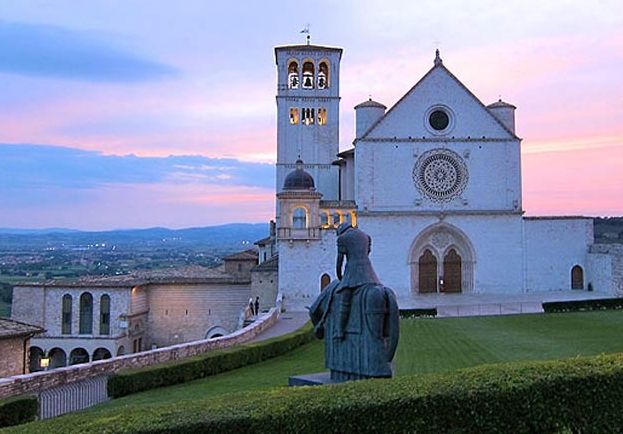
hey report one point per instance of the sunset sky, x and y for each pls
(123, 114)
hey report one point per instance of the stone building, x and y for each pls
(435, 180)
(94, 319)
(15, 339)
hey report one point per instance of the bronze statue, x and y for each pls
(356, 314)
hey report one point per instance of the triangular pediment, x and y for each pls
(438, 89)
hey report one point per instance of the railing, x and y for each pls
(489, 309)
(299, 234)
(74, 396)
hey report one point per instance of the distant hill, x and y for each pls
(223, 236)
(608, 229)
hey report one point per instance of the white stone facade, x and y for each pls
(436, 182)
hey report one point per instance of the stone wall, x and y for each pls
(607, 267)
(264, 284)
(553, 247)
(12, 356)
(39, 381)
(186, 312)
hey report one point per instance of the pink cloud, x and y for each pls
(145, 205)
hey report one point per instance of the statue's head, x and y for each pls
(343, 228)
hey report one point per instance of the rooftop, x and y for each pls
(11, 329)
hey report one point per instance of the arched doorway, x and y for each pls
(34, 359)
(58, 358)
(78, 355)
(427, 265)
(451, 272)
(121, 351)
(324, 281)
(101, 354)
(216, 332)
(577, 277)
(442, 259)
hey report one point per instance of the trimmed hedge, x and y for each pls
(20, 409)
(583, 305)
(413, 313)
(576, 395)
(128, 381)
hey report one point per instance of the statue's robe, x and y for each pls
(371, 334)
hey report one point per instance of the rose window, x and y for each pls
(440, 174)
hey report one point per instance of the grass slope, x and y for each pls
(426, 346)
(441, 345)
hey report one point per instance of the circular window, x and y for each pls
(440, 174)
(439, 120)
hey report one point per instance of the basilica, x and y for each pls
(435, 180)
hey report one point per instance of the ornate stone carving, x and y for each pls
(440, 175)
(440, 240)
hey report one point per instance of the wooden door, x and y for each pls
(427, 273)
(452, 272)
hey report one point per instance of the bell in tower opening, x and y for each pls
(308, 75)
(323, 75)
(293, 75)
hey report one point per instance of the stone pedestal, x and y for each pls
(316, 379)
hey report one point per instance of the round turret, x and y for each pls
(367, 113)
(299, 179)
(504, 112)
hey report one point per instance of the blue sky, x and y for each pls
(148, 113)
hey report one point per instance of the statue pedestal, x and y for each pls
(316, 379)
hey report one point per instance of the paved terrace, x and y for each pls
(492, 304)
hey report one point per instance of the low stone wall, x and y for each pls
(40, 381)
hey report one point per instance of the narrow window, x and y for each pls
(323, 75)
(308, 116)
(299, 218)
(294, 116)
(293, 75)
(308, 75)
(86, 314)
(322, 116)
(105, 315)
(66, 316)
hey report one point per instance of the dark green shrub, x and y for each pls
(583, 305)
(130, 381)
(20, 409)
(413, 313)
(581, 395)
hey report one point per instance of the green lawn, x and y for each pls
(426, 345)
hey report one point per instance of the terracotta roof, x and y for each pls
(370, 103)
(264, 241)
(12, 329)
(250, 254)
(187, 274)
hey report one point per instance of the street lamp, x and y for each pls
(44, 362)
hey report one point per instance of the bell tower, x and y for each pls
(308, 104)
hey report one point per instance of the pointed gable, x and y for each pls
(439, 88)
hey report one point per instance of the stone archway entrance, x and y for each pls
(442, 261)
